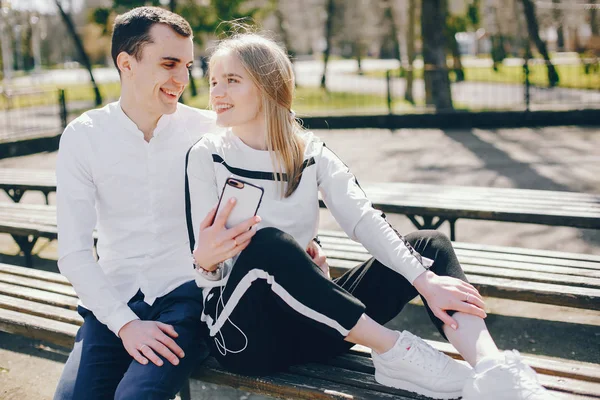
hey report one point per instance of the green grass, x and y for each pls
(571, 76)
(308, 101)
(314, 101)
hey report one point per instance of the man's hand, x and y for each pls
(216, 243)
(444, 293)
(318, 256)
(144, 339)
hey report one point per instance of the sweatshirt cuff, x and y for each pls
(415, 268)
(119, 318)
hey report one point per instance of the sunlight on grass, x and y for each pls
(571, 76)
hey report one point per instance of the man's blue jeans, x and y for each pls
(99, 367)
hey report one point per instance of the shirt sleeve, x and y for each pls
(355, 214)
(76, 217)
(204, 194)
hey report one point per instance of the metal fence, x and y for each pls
(31, 113)
(514, 85)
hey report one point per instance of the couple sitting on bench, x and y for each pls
(260, 297)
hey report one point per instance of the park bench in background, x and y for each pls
(427, 206)
(42, 305)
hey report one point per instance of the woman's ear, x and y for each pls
(124, 63)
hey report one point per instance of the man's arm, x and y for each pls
(76, 215)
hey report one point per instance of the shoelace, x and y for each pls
(423, 352)
(526, 375)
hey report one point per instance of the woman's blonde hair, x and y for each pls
(271, 71)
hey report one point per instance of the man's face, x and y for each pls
(162, 73)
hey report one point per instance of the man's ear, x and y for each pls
(124, 63)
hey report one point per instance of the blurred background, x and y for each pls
(351, 57)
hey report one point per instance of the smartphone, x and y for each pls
(248, 196)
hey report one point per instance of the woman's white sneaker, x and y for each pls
(415, 366)
(506, 378)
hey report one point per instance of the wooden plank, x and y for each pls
(33, 273)
(287, 385)
(568, 296)
(40, 310)
(544, 365)
(39, 296)
(39, 328)
(338, 240)
(37, 284)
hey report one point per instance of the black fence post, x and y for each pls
(388, 80)
(527, 83)
(62, 104)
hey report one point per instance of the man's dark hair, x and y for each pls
(131, 31)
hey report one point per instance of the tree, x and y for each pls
(593, 20)
(79, 45)
(410, 49)
(558, 20)
(435, 70)
(533, 29)
(388, 14)
(328, 40)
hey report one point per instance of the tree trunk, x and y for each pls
(410, 49)
(328, 35)
(285, 37)
(560, 29)
(79, 45)
(358, 53)
(389, 15)
(172, 5)
(533, 29)
(435, 70)
(593, 21)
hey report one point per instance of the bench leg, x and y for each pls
(429, 222)
(452, 223)
(185, 392)
(15, 194)
(26, 244)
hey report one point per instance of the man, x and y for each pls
(121, 169)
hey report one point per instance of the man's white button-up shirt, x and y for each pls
(132, 191)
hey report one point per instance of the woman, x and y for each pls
(267, 305)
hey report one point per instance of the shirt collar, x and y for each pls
(130, 126)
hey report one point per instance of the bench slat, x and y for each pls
(34, 273)
(589, 261)
(287, 385)
(37, 284)
(40, 310)
(575, 276)
(517, 290)
(39, 296)
(39, 328)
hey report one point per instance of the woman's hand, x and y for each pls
(318, 256)
(215, 243)
(444, 293)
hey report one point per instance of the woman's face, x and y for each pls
(233, 95)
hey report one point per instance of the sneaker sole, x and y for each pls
(411, 387)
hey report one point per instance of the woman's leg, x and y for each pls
(273, 294)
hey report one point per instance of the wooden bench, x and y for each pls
(42, 305)
(16, 182)
(541, 276)
(427, 206)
